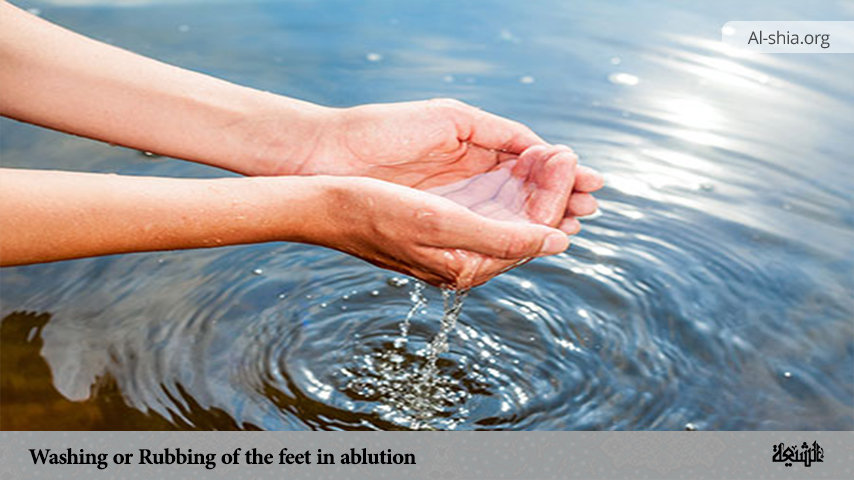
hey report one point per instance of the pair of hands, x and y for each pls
(443, 191)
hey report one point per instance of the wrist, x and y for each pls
(274, 135)
(294, 208)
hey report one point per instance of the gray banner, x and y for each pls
(457, 455)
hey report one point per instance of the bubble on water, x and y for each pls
(397, 282)
(616, 60)
(373, 57)
(626, 79)
(527, 80)
(258, 271)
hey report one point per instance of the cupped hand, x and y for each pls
(425, 144)
(437, 239)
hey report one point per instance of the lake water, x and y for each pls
(713, 291)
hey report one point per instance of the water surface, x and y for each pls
(713, 291)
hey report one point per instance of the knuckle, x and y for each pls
(432, 224)
(514, 246)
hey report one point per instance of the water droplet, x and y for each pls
(373, 57)
(282, 295)
(616, 60)
(346, 297)
(787, 374)
(397, 282)
(375, 293)
(258, 271)
(324, 305)
(527, 80)
(626, 79)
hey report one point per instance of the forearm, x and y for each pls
(59, 79)
(48, 215)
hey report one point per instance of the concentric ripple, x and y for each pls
(712, 291)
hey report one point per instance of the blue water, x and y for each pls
(713, 290)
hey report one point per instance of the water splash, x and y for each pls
(412, 384)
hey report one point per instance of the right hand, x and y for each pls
(427, 236)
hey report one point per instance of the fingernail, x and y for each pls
(555, 243)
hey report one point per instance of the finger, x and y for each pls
(587, 179)
(581, 205)
(570, 226)
(492, 131)
(553, 173)
(500, 239)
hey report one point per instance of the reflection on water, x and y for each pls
(711, 292)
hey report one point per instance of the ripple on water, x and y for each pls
(711, 292)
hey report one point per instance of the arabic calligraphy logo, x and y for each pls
(807, 455)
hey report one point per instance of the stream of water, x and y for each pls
(712, 292)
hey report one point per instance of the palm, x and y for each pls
(534, 187)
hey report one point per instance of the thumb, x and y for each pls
(511, 240)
